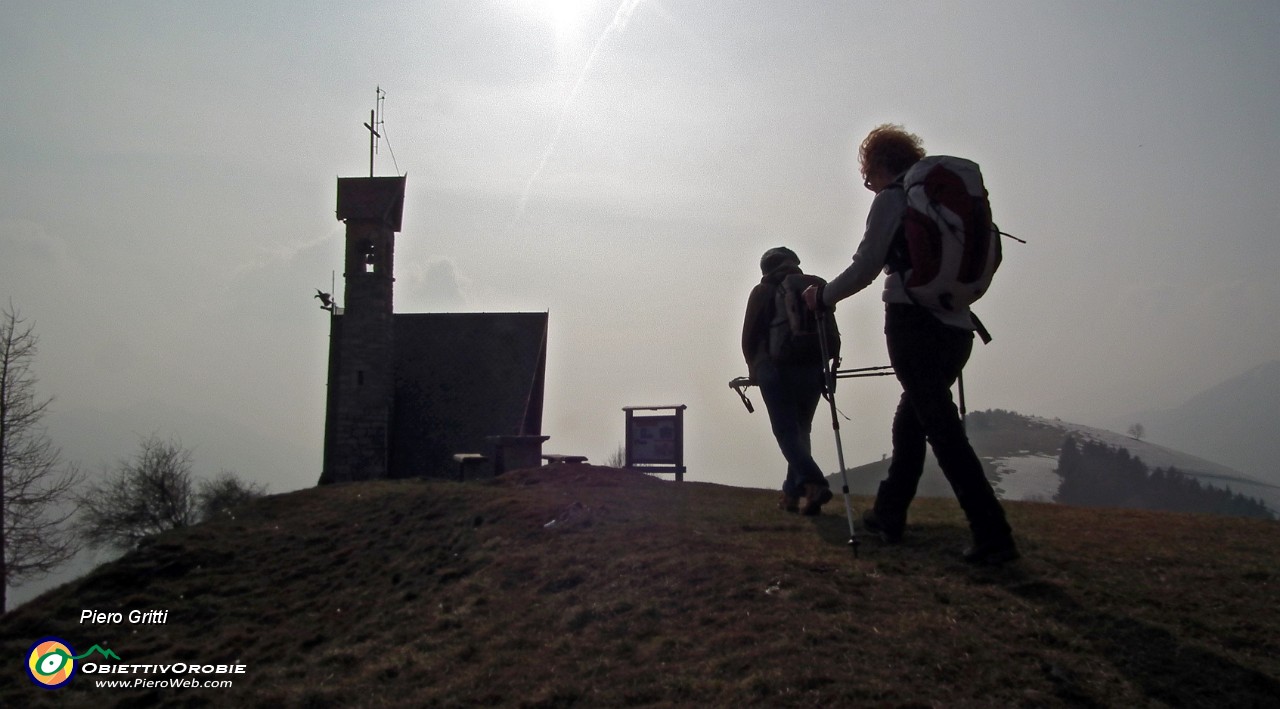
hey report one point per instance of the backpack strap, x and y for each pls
(978, 327)
(981, 329)
(898, 259)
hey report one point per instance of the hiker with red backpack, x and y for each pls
(929, 229)
(784, 359)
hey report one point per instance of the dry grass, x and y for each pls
(586, 586)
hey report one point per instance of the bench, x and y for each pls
(553, 458)
(468, 461)
(516, 452)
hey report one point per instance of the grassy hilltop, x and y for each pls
(587, 586)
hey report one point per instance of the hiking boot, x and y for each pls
(789, 503)
(992, 553)
(815, 497)
(888, 534)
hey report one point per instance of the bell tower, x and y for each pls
(407, 392)
(361, 336)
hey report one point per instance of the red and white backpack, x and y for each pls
(953, 248)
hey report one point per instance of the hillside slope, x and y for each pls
(1020, 454)
(585, 586)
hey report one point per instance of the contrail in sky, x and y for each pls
(619, 23)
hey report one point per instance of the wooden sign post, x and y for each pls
(655, 443)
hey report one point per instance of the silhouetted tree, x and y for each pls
(619, 457)
(146, 495)
(1097, 475)
(155, 492)
(226, 493)
(36, 490)
(1137, 431)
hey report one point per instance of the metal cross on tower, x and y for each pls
(372, 125)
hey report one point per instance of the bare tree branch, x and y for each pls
(147, 495)
(225, 493)
(36, 490)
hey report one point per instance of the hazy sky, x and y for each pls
(167, 183)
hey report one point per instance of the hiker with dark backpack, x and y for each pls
(781, 345)
(929, 229)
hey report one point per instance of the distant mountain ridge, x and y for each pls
(1234, 422)
(1020, 454)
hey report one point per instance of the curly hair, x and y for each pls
(891, 147)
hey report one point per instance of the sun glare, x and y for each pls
(563, 16)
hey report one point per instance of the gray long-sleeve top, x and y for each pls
(883, 222)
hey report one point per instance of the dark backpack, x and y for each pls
(793, 329)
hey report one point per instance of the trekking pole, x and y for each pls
(829, 393)
(884, 371)
(963, 421)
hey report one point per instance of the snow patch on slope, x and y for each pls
(1032, 477)
(1035, 477)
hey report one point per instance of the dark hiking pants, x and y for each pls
(927, 357)
(791, 394)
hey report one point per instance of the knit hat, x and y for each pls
(777, 257)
